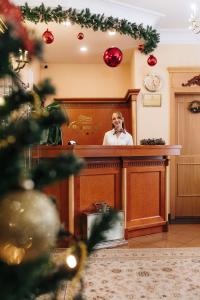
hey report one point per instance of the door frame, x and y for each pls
(177, 76)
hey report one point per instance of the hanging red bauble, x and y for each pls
(48, 37)
(152, 60)
(80, 36)
(141, 47)
(113, 56)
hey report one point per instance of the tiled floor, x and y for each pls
(179, 235)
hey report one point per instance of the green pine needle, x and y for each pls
(95, 21)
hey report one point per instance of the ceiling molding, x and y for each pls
(113, 8)
(140, 9)
(178, 36)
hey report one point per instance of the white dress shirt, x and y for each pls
(123, 139)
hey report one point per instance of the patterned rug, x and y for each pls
(142, 274)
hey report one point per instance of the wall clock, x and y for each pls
(152, 82)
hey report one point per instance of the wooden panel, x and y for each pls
(59, 192)
(180, 126)
(144, 190)
(145, 195)
(188, 206)
(188, 188)
(188, 125)
(177, 80)
(143, 184)
(187, 175)
(98, 151)
(95, 185)
(182, 75)
(132, 232)
(97, 188)
(89, 122)
(90, 118)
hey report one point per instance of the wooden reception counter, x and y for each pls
(129, 178)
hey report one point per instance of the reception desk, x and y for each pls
(128, 178)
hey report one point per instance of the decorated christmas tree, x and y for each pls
(29, 221)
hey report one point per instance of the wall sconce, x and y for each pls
(20, 61)
(3, 26)
(194, 19)
(6, 86)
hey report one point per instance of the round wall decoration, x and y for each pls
(152, 82)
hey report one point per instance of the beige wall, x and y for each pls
(132, 66)
(31, 74)
(155, 121)
(91, 80)
(102, 81)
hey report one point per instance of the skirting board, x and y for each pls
(184, 220)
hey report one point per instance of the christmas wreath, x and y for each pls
(194, 106)
(95, 21)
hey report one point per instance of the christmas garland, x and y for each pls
(95, 21)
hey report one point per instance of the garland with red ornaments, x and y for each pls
(95, 21)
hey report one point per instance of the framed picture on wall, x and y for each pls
(152, 100)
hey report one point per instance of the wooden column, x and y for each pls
(71, 203)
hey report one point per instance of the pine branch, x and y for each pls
(44, 88)
(100, 227)
(36, 274)
(95, 21)
(56, 169)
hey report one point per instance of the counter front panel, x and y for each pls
(128, 178)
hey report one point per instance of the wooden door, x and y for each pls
(187, 127)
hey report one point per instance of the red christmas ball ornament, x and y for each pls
(48, 37)
(80, 36)
(113, 57)
(141, 47)
(152, 60)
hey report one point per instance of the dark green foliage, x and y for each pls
(44, 88)
(154, 141)
(10, 174)
(14, 101)
(8, 45)
(54, 117)
(31, 279)
(28, 280)
(95, 21)
(17, 136)
(106, 222)
(20, 282)
(56, 169)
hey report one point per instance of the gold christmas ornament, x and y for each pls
(11, 254)
(29, 225)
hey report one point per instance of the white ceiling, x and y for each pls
(174, 13)
(66, 45)
(166, 14)
(170, 18)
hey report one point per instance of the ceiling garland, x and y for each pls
(86, 19)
